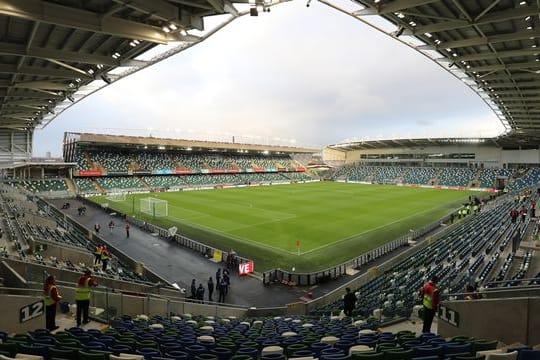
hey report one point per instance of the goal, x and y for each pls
(155, 207)
(116, 195)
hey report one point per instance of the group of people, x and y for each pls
(51, 297)
(111, 226)
(102, 256)
(221, 285)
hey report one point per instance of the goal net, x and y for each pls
(154, 207)
(116, 195)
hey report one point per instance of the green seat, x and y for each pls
(483, 345)
(241, 357)
(462, 339)
(74, 343)
(67, 354)
(146, 344)
(398, 354)
(83, 355)
(368, 355)
(10, 347)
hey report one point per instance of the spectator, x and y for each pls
(127, 227)
(82, 296)
(97, 254)
(111, 226)
(51, 299)
(105, 256)
(218, 277)
(97, 227)
(471, 293)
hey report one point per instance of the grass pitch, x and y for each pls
(333, 222)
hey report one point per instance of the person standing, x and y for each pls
(222, 287)
(97, 227)
(430, 301)
(513, 215)
(82, 296)
(200, 293)
(218, 278)
(105, 256)
(193, 289)
(111, 226)
(51, 299)
(127, 227)
(349, 301)
(97, 254)
(210, 288)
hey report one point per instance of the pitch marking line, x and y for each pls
(239, 238)
(368, 231)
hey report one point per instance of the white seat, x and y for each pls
(289, 333)
(187, 316)
(206, 339)
(176, 318)
(359, 323)
(246, 323)
(126, 356)
(207, 328)
(156, 326)
(28, 357)
(366, 332)
(500, 356)
(142, 317)
(359, 349)
(272, 350)
(331, 340)
(307, 325)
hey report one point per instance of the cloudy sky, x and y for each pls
(305, 76)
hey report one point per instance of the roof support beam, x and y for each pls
(43, 85)
(393, 6)
(519, 35)
(498, 55)
(504, 67)
(29, 70)
(50, 13)
(61, 55)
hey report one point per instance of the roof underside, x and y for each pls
(55, 52)
(490, 44)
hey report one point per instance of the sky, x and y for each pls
(303, 76)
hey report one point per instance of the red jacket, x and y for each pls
(91, 282)
(430, 294)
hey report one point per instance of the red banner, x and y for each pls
(259, 170)
(245, 268)
(89, 172)
(183, 172)
(300, 169)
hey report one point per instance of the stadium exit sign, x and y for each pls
(245, 268)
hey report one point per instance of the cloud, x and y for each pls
(311, 74)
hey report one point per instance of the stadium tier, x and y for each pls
(37, 186)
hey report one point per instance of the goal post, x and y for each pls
(154, 207)
(116, 195)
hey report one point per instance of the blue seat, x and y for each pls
(433, 357)
(428, 350)
(40, 350)
(318, 347)
(302, 353)
(177, 355)
(526, 354)
(254, 353)
(455, 348)
(119, 348)
(221, 353)
(336, 356)
(148, 353)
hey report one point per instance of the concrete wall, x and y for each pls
(63, 252)
(508, 320)
(11, 306)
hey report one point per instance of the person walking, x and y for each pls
(218, 278)
(111, 226)
(51, 298)
(430, 300)
(210, 288)
(97, 227)
(127, 227)
(349, 301)
(82, 296)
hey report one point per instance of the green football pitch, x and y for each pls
(333, 222)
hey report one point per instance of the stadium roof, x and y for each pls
(504, 141)
(55, 52)
(489, 44)
(159, 143)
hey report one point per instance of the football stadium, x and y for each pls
(236, 248)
